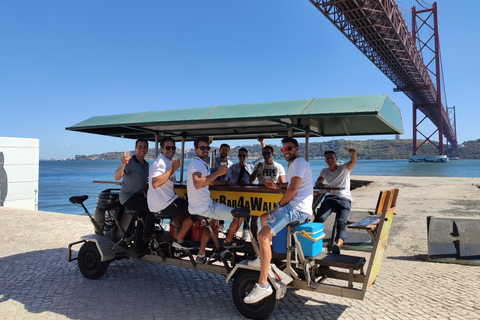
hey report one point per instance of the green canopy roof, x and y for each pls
(357, 115)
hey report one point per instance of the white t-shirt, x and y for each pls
(273, 171)
(338, 179)
(303, 199)
(198, 199)
(160, 198)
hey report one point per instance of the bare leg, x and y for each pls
(187, 224)
(264, 237)
(178, 223)
(205, 236)
(234, 226)
(339, 242)
(254, 226)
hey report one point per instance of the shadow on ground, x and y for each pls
(43, 281)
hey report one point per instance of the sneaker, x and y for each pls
(254, 263)
(235, 243)
(258, 293)
(245, 234)
(221, 228)
(182, 245)
(336, 249)
(201, 259)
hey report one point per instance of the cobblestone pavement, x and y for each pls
(37, 282)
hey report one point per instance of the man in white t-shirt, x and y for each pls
(161, 194)
(199, 179)
(295, 205)
(267, 170)
(339, 201)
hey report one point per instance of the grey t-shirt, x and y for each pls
(134, 180)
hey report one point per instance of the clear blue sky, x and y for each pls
(62, 62)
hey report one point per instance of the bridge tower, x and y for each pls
(429, 46)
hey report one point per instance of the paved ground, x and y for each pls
(37, 282)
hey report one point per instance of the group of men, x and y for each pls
(295, 205)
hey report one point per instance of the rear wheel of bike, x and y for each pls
(243, 283)
(89, 261)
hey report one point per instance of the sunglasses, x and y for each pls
(242, 155)
(203, 148)
(266, 153)
(170, 148)
(287, 148)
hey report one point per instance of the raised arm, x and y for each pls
(120, 172)
(200, 182)
(161, 179)
(353, 159)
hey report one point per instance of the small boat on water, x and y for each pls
(432, 158)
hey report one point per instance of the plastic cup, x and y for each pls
(126, 154)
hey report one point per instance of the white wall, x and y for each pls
(19, 172)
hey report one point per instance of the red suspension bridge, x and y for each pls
(378, 29)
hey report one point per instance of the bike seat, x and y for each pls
(133, 212)
(243, 212)
(161, 215)
(293, 224)
(78, 199)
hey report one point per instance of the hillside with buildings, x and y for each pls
(366, 149)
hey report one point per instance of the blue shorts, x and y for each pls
(283, 216)
(217, 211)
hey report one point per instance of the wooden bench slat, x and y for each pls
(369, 222)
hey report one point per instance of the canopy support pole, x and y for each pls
(156, 144)
(307, 136)
(182, 159)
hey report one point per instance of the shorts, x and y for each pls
(283, 216)
(217, 211)
(177, 209)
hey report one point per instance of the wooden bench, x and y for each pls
(381, 221)
(384, 204)
(352, 263)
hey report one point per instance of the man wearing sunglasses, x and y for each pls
(295, 205)
(161, 194)
(200, 203)
(239, 173)
(268, 170)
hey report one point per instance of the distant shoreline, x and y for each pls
(383, 149)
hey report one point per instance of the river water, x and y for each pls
(59, 180)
